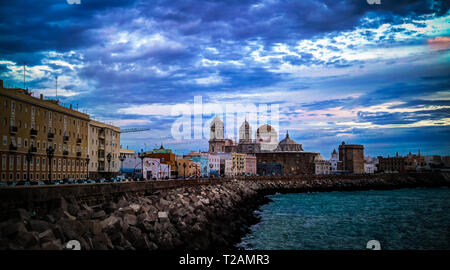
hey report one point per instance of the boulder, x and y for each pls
(135, 207)
(126, 210)
(163, 217)
(39, 225)
(84, 215)
(54, 245)
(130, 219)
(22, 214)
(122, 203)
(27, 239)
(133, 234)
(12, 228)
(99, 214)
(69, 216)
(110, 222)
(47, 236)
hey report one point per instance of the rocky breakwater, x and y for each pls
(192, 218)
(210, 216)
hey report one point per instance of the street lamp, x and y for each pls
(108, 158)
(50, 151)
(29, 157)
(141, 155)
(87, 165)
(121, 158)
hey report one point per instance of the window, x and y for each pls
(37, 177)
(19, 142)
(18, 176)
(4, 162)
(24, 176)
(18, 162)
(5, 140)
(3, 176)
(38, 145)
(25, 125)
(11, 162)
(25, 143)
(11, 175)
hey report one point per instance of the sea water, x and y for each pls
(403, 219)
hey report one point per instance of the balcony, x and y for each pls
(12, 148)
(33, 133)
(13, 129)
(101, 134)
(78, 154)
(65, 138)
(50, 136)
(65, 152)
(78, 140)
(33, 149)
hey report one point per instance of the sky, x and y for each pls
(376, 75)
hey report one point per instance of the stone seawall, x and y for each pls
(193, 217)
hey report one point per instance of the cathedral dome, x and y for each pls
(289, 145)
(287, 140)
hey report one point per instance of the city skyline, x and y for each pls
(348, 71)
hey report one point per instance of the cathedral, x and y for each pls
(266, 140)
(273, 158)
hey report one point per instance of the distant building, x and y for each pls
(132, 165)
(238, 163)
(334, 160)
(408, 163)
(391, 164)
(288, 145)
(166, 156)
(33, 125)
(153, 169)
(351, 157)
(270, 169)
(104, 140)
(204, 165)
(446, 161)
(370, 164)
(434, 162)
(228, 167)
(184, 167)
(250, 165)
(214, 164)
(321, 165)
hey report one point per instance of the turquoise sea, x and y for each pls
(403, 219)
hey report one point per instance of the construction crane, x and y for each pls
(131, 130)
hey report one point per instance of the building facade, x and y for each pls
(32, 127)
(166, 156)
(155, 170)
(270, 169)
(351, 157)
(250, 165)
(334, 160)
(104, 149)
(321, 165)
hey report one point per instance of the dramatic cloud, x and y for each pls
(339, 70)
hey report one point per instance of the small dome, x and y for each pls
(319, 158)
